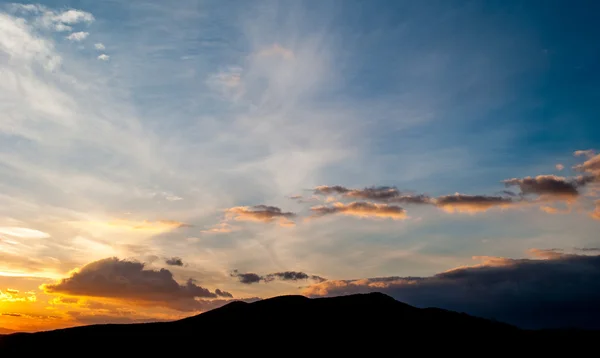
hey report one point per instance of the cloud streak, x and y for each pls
(260, 213)
(250, 277)
(463, 203)
(361, 209)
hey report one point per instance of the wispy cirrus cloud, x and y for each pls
(23, 232)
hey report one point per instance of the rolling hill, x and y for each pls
(366, 323)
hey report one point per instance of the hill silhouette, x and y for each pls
(369, 323)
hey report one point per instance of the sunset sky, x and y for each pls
(160, 159)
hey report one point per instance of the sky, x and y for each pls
(159, 159)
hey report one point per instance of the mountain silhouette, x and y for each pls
(365, 323)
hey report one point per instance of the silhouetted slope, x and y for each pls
(357, 323)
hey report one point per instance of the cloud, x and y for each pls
(588, 249)
(157, 226)
(54, 20)
(78, 36)
(463, 203)
(228, 83)
(250, 277)
(292, 276)
(559, 167)
(260, 213)
(590, 166)
(328, 190)
(174, 261)
(24, 233)
(247, 277)
(99, 46)
(223, 293)
(277, 50)
(552, 210)
(586, 153)
(131, 282)
(547, 186)
(386, 194)
(74, 17)
(361, 209)
(560, 290)
(12, 295)
(103, 57)
(596, 213)
(220, 228)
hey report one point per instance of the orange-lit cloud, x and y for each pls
(559, 167)
(590, 166)
(361, 209)
(546, 254)
(260, 213)
(586, 153)
(553, 210)
(596, 213)
(220, 228)
(463, 203)
(12, 295)
(131, 281)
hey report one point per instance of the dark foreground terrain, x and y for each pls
(297, 326)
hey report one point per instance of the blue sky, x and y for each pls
(134, 129)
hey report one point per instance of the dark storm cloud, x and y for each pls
(127, 280)
(174, 261)
(250, 278)
(560, 290)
